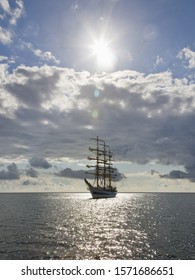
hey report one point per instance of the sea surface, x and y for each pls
(74, 226)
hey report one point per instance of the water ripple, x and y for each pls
(71, 226)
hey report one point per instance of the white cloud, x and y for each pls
(159, 60)
(189, 56)
(47, 56)
(3, 58)
(44, 56)
(14, 14)
(5, 5)
(11, 17)
(17, 12)
(3, 71)
(5, 36)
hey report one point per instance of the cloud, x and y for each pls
(5, 36)
(47, 56)
(175, 174)
(29, 182)
(32, 172)
(189, 56)
(6, 33)
(81, 174)
(15, 13)
(3, 58)
(159, 60)
(3, 71)
(11, 173)
(44, 56)
(5, 5)
(54, 111)
(75, 6)
(178, 174)
(68, 172)
(39, 163)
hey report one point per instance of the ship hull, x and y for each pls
(100, 192)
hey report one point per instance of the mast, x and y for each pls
(97, 162)
(109, 169)
(104, 165)
(97, 158)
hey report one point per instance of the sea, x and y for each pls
(72, 226)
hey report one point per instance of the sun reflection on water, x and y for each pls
(72, 226)
(100, 229)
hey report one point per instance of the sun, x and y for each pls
(104, 55)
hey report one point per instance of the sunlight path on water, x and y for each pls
(74, 226)
(100, 229)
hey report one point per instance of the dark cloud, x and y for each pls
(68, 172)
(32, 172)
(178, 174)
(81, 174)
(32, 86)
(11, 173)
(175, 174)
(28, 182)
(54, 112)
(39, 163)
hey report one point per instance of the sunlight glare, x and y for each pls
(105, 58)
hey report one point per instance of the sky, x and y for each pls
(72, 70)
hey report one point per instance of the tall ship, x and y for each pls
(101, 170)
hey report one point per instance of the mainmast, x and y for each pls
(104, 165)
(97, 162)
(110, 169)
